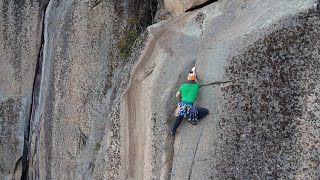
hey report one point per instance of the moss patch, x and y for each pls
(125, 43)
(97, 146)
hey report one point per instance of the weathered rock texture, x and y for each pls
(178, 7)
(264, 124)
(20, 24)
(75, 130)
(162, 12)
(105, 100)
(276, 118)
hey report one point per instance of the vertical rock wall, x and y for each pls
(89, 122)
(75, 129)
(178, 7)
(275, 121)
(147, 104)
(73, 104)
(263, 122)
(20, 25)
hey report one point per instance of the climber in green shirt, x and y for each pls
(187, 94)
(190, 91)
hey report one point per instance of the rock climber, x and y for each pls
(187, 94)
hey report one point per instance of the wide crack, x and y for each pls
(35, 97)
(201, 5)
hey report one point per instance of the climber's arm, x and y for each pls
(193, 70)
(178, 95)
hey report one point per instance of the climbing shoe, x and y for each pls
(192, 121)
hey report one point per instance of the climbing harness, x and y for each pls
(187, 111)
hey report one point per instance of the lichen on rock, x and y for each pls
(272, 102)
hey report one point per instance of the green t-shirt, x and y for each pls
(189, 91)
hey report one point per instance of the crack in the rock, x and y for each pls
(195, 152)
(203, 160)
(34, 98)
(96, 3)
(215, 83)
(82, 139)
(18, 166)
(201, 5)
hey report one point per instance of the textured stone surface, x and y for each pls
(178, 7)
(74, 102)
(276, 120)
(91, 122)
(162, 13)
(76, 128)
(263, 124)
(20, 25)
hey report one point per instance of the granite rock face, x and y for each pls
(178, 7)
(162, 12)
(75, 130)
(20, 38)
(264, 114)
(276, 118)
(104, 90)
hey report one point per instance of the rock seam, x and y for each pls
(35, 92)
